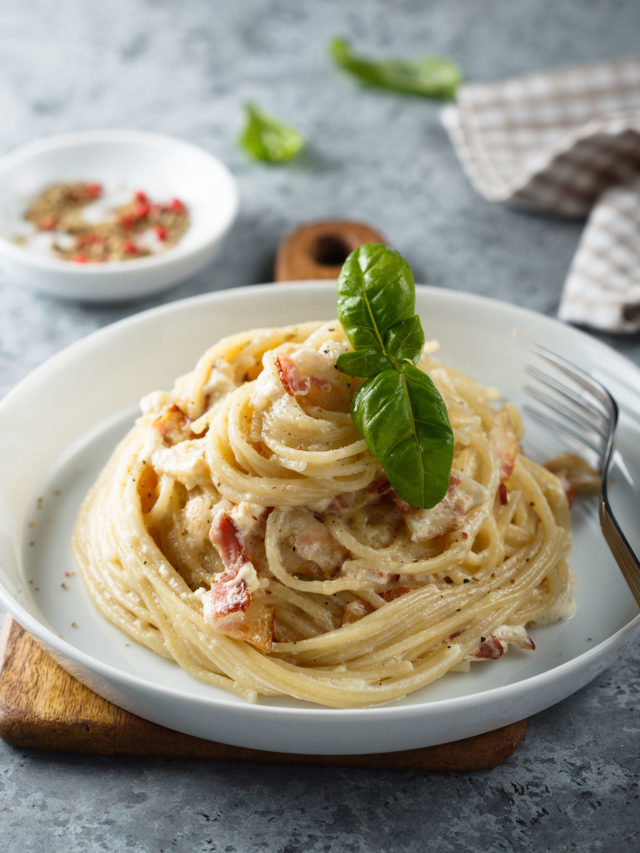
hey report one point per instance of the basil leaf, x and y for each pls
(362, 362)
(375, 291)
(405, 340)
(266, 138)
(404, 421)
(431, 76)
(398, 409)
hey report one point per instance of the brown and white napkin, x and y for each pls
(566, 143)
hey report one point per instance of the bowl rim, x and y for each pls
(119, 136)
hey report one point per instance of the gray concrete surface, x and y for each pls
(186, 69)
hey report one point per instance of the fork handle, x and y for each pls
(620, 549)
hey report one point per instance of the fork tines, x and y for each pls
(576, 405)
(585, 410)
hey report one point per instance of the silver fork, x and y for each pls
(572, 402)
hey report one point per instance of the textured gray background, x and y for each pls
(185, 69)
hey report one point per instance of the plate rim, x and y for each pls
(582, 662)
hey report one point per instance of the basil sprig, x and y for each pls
(398, 409)
(429, 76)
(267, 138)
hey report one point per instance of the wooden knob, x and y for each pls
(319, 249)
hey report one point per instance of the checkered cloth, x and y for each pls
(566, 143)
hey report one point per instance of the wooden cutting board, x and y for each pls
(43, 707)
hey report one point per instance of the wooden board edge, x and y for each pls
(94, 726)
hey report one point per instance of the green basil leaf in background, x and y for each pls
(404, 421)
(430, 76)
(363, 362)
(268, 139)
(405, 340)
(375, 291)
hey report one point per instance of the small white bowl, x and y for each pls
(163, 167)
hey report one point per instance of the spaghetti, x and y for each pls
(243, 529)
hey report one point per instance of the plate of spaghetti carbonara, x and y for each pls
(206, 537)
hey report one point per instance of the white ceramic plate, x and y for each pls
(59, 425)
(123, 161)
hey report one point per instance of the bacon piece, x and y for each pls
(231, 611)
(494, 646)
(490, 648)
(575, 474)
(394, 592)
(255, 625)
(172, 424)
(230, 592)
(504, 442)
(229, 604)
(293, 381)
(237, 532)
(224, 536)
(502, 494)
(296, 383)
(227, 595)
